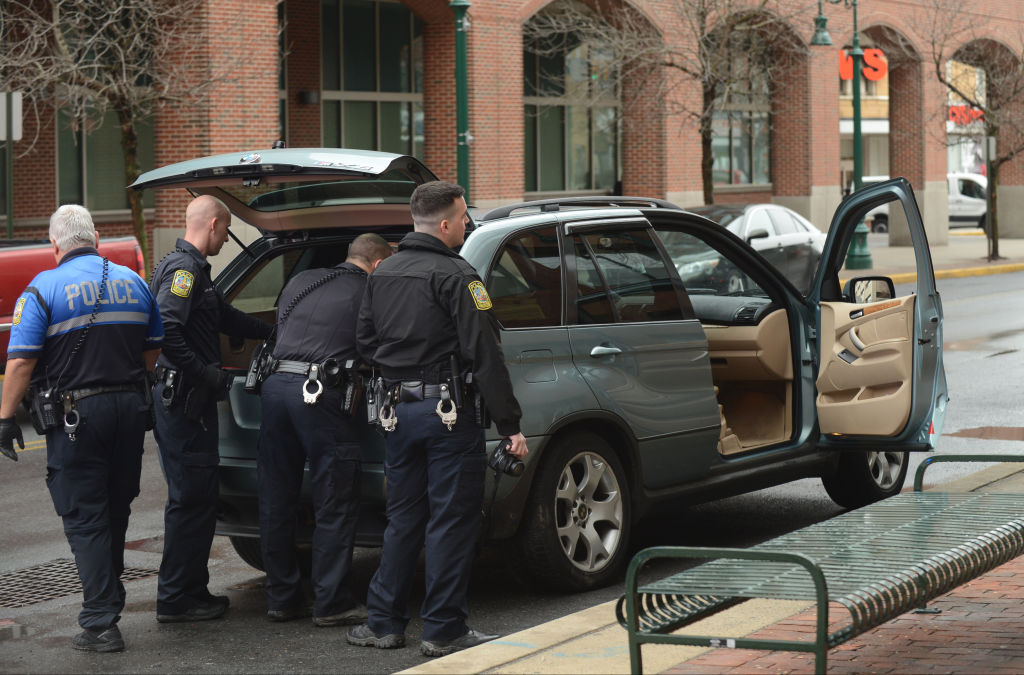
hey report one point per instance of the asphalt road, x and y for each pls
(984, 336)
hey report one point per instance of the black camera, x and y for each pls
(501, 460)
(47, 411)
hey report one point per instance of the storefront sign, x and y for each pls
(964, 114)
(875, 66)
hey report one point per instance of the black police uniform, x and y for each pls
(423, 305)
(94, 475)
(194, 314)
(320, 325)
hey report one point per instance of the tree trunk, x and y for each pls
(707, 159)
(130, 148)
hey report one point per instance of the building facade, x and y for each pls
(564, 119)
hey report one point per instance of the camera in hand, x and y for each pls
(501, 460)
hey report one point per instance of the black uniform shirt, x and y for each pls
(194, 312)
(322, 324)
(425, 303)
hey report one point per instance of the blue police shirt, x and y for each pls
(54, 310)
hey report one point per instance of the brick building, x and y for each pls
(379, 74)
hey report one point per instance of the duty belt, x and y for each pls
(79, 394)
(294, 367)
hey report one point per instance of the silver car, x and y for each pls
(638, 387)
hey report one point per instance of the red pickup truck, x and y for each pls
(21, 261)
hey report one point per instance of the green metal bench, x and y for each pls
(878, 562)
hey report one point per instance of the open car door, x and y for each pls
(880, 381)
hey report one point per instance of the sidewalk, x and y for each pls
(978, 631)
(965, 255)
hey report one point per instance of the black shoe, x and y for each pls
(99, 640)
(472, 638)
(290, 614)
(349, 617)
(222, 599)
(362, 636)
(204, 611)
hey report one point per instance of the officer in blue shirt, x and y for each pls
(190, 380)
(83, 336)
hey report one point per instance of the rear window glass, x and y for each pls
(525, 284)
(392, 187)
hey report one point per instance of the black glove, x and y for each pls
(10, 431)
(217, 380)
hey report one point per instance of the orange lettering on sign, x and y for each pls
(874, 69)
(962, 114)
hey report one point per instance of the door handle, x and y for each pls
(601, 350)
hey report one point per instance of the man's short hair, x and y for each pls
(368, 248)
(432, 200)
(71, 227)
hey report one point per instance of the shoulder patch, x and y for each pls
(17, 310)
(480, 297)
(181, 285)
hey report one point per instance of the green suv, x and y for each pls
(639, 387)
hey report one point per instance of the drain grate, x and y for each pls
(54, 579)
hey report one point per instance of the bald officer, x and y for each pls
(190, 380)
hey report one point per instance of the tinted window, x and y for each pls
(525, 284)
(703, 269)
(624, 271)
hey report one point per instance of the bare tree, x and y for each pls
(954, 36)
(90, 57)
(734, 50)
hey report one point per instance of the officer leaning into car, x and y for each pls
(189, 382)
(84, 335)
(424, 321)
(309, 404)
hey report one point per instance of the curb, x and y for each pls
(591, 640)
(956, 273)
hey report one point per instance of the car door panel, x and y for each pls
(865, 380)
(895, 385)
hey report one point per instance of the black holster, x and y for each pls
(351, 389)
(260, 367)
(46, 410)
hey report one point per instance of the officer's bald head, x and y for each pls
(71, 227)
(206, 224)
(367, 250)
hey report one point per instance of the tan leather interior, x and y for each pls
(752, 368)
(865, 381)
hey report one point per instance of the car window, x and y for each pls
(783, 221)
(703, 269)
(525, 283)
(969, 188)
(621, 276)
(259, 290)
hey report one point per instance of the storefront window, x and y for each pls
(571, 117)
(372, 53)
(741, 124)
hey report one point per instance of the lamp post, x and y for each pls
(460, 7)
(859, 256)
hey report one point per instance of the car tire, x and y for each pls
(866, 477)
(880, 224)
(575, 532)
(248, 549)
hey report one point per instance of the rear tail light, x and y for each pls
(140, 262)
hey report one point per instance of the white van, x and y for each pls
(967, 203)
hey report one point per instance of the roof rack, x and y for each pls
(596, 201)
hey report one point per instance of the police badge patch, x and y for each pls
(17, 310)
(480, 297)
(181, 285)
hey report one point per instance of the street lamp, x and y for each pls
(859, 256)
(460, 7)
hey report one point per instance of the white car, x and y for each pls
(790, 242)
(967, 202)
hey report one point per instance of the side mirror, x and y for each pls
(864, 290)
(757, 234)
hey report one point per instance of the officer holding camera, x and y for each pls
(425, 323)
(84, 334)
(189, 382)
(310, 404)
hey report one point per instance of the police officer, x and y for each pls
(84, 335)
(306, 415)
(190, 381)
(423, 306)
